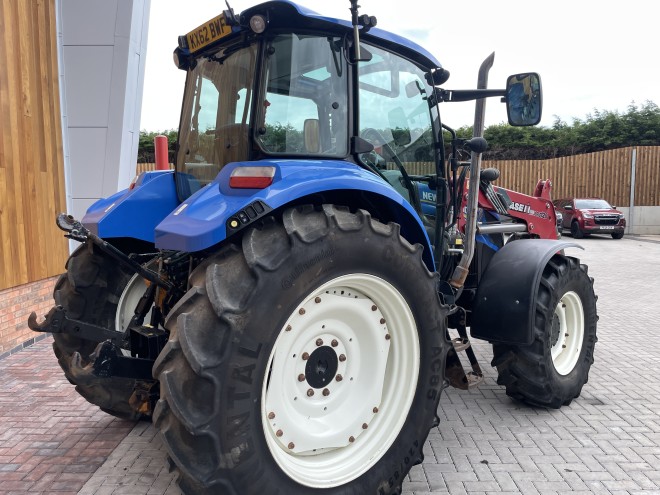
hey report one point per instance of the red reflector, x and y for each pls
(251, 177)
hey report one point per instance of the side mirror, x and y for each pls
(524, 100)
(437, 77)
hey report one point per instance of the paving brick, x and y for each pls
(40, 413)
(607, 441)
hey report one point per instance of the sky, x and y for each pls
(591, 54)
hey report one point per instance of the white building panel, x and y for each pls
(88, 73)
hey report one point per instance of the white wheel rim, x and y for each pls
(328, 439)
(566, 351)
(128, 301)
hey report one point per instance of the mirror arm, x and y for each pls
(467, 94)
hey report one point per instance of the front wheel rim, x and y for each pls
(569, 315)
(341, 380)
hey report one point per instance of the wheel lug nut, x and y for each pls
(301, 311)
(342, 358)
(279, 433)
(387, 337)
(291, 445)
(565, 335)
(326, 392)
(374, 307)
(375, 410)
(310, 392)
(319, 342)
(288, 328)
(301, 377)
(351, 439)
(305, 356)
(317, 300)
(334, 343)
(382, 321)
(563, 347)
(271, 415)
(365, 426)
(339, 378)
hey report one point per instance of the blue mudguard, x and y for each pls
(136, 212)
(206, 218)
(505, 303)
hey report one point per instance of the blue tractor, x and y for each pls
(280, 304)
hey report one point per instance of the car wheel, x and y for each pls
(575, 231)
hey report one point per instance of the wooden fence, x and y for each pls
(605, 174)
(31, 159)
(146, 167)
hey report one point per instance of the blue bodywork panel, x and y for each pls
(201, 220)
(135, 212)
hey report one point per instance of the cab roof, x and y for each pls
(288, 14)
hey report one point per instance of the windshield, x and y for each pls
(305, 106)
(215, 116)
(396, 118)
(592, 204)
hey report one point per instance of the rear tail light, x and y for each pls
(251, 177)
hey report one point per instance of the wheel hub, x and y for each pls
(332, 355)
(321, 367)
(328, 422)
(568, 322)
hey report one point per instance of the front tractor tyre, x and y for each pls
(551, 371)
(96, 289)
(308, 357)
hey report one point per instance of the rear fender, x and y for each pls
(505, 303)
(134, 212)
(217, 211)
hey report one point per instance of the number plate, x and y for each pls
(207, 33)
(607, 227)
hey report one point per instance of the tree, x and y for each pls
(146, 151)
(600, 130)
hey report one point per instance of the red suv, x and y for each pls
(590, 216)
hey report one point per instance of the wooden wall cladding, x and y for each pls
(32, 189)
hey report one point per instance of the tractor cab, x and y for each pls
(282, 83)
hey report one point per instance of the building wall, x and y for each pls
(60, 150)
(16, 304)
(32, 189)
(103, 51)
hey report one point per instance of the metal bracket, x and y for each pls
(110, 362)
(56, 321)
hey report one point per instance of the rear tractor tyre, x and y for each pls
(96, 289)
(309, 358)
(576, 232)
(551, 371)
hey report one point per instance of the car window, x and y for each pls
(592, 204)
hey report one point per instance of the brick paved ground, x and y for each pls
(607, 441)
(51, 439)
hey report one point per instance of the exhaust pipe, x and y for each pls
(462, 270)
